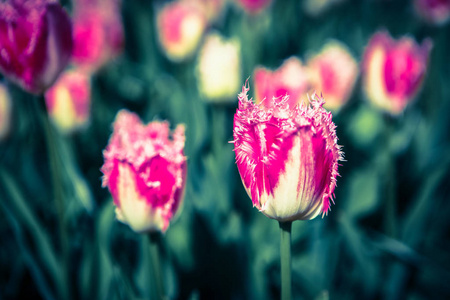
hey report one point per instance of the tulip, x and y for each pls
(333, 73)
(98, 33)
(212, 9)
(317, 7)
(254, 6)
(68, 100)
(393, 70)
(145, 171)
(287, 157)
(180, 29)
(5, 112)
(436, 12)
(219, 68)
(35, 42)
(291, 78)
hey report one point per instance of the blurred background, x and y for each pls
(386, 236)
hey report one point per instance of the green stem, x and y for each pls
(155, 239)
(285, 254)
(389, 180)
(58, 193)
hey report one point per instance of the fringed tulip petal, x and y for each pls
(287, 157)
(145, 171)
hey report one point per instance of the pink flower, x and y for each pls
(68, 100)
(5, 111)
(254, 6)
(98, 33)
(436, 12)
(287, 157)
(333, 73)
(393, 70)
(145, 171)
(289, 79)
(180, 29)
(35, 42)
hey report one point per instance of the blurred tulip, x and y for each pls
(289, 79)
(5, 111)
(393, 70)
(287, 157)
(35, 42)
(333, 73)
(68, 100)
(145, 171)
(317, 7)
(436, 12)
(212, 9)
(254, 6)
(180, 29)
(219, 68)
(98, 33)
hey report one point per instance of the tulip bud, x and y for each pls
(436, 12)
(180, 29)
(5, 111)
(35, 42)
(219, 68)
(68, 100)
(287, 157)
(145, 171)
(393, 70)
(333, 73)
(97, 32)
(289, 79)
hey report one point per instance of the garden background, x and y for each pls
(219, 246)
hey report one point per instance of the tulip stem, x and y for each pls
(155, 239)
(285, 254)
(58, 193)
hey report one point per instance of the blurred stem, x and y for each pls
(389, 180)
(285, 253)
(155, 240)
(58, 192)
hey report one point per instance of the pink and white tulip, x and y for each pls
(180, 29)
(69, 99)
(98, 33)
(333, 73)
(5, 111)
(145, 171)
(287, 157)
(436, 12)
(291, 78)
(35, 42)
(393, 70)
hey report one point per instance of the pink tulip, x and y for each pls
(436, 12)
(68, 100)
(180, 29)
(5, 111)
(145, 171)
(393, 70)
(98, 33)
(35, 42)
(289, 79)
(287, 157)
(254, 6)
(333, 73)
